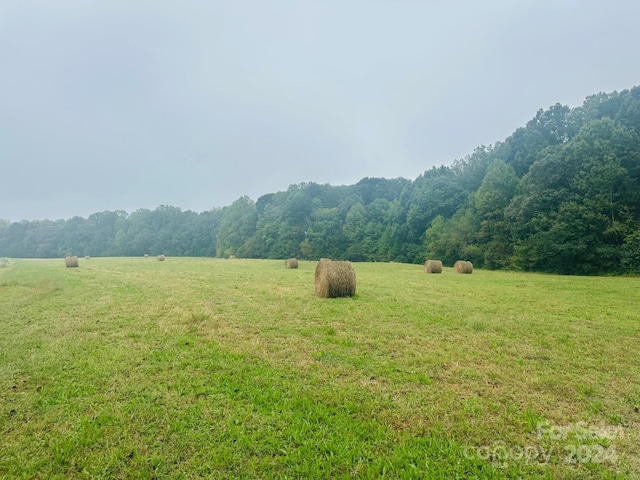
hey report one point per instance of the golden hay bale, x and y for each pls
(433, 266)
(335, 279)
(462, 266)
(291, 263)
(161, 258)
(319, 268)
(71, 262)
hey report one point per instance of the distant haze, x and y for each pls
(120, 105)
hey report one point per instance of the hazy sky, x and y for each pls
(110, 104)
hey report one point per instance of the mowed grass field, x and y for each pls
(134, 368)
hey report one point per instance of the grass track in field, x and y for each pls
(233, 368)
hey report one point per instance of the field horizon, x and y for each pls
(128, 367)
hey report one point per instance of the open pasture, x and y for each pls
(193, 367)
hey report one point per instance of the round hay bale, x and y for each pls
(87, 257)
(146, 255)
(161, 258)
(433, 266)
(291, 263)
(335, 279)
(71, 262)
(462, 266)
(319, 268)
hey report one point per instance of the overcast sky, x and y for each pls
(121, 105)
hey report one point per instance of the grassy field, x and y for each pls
(134, 368)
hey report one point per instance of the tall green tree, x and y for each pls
(325, 235)
(492, 197)
(237, 226)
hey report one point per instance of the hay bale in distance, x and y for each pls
(335, 279)
(71, 262)
(462, 266)
(87, 257)
(161, 258)
(433, 266)
(146, 255)
(291, 263)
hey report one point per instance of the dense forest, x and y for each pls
(561, 194)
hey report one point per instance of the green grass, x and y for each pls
(134, 368)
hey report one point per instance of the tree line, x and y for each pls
(561, 194)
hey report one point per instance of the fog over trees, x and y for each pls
(561, 194)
